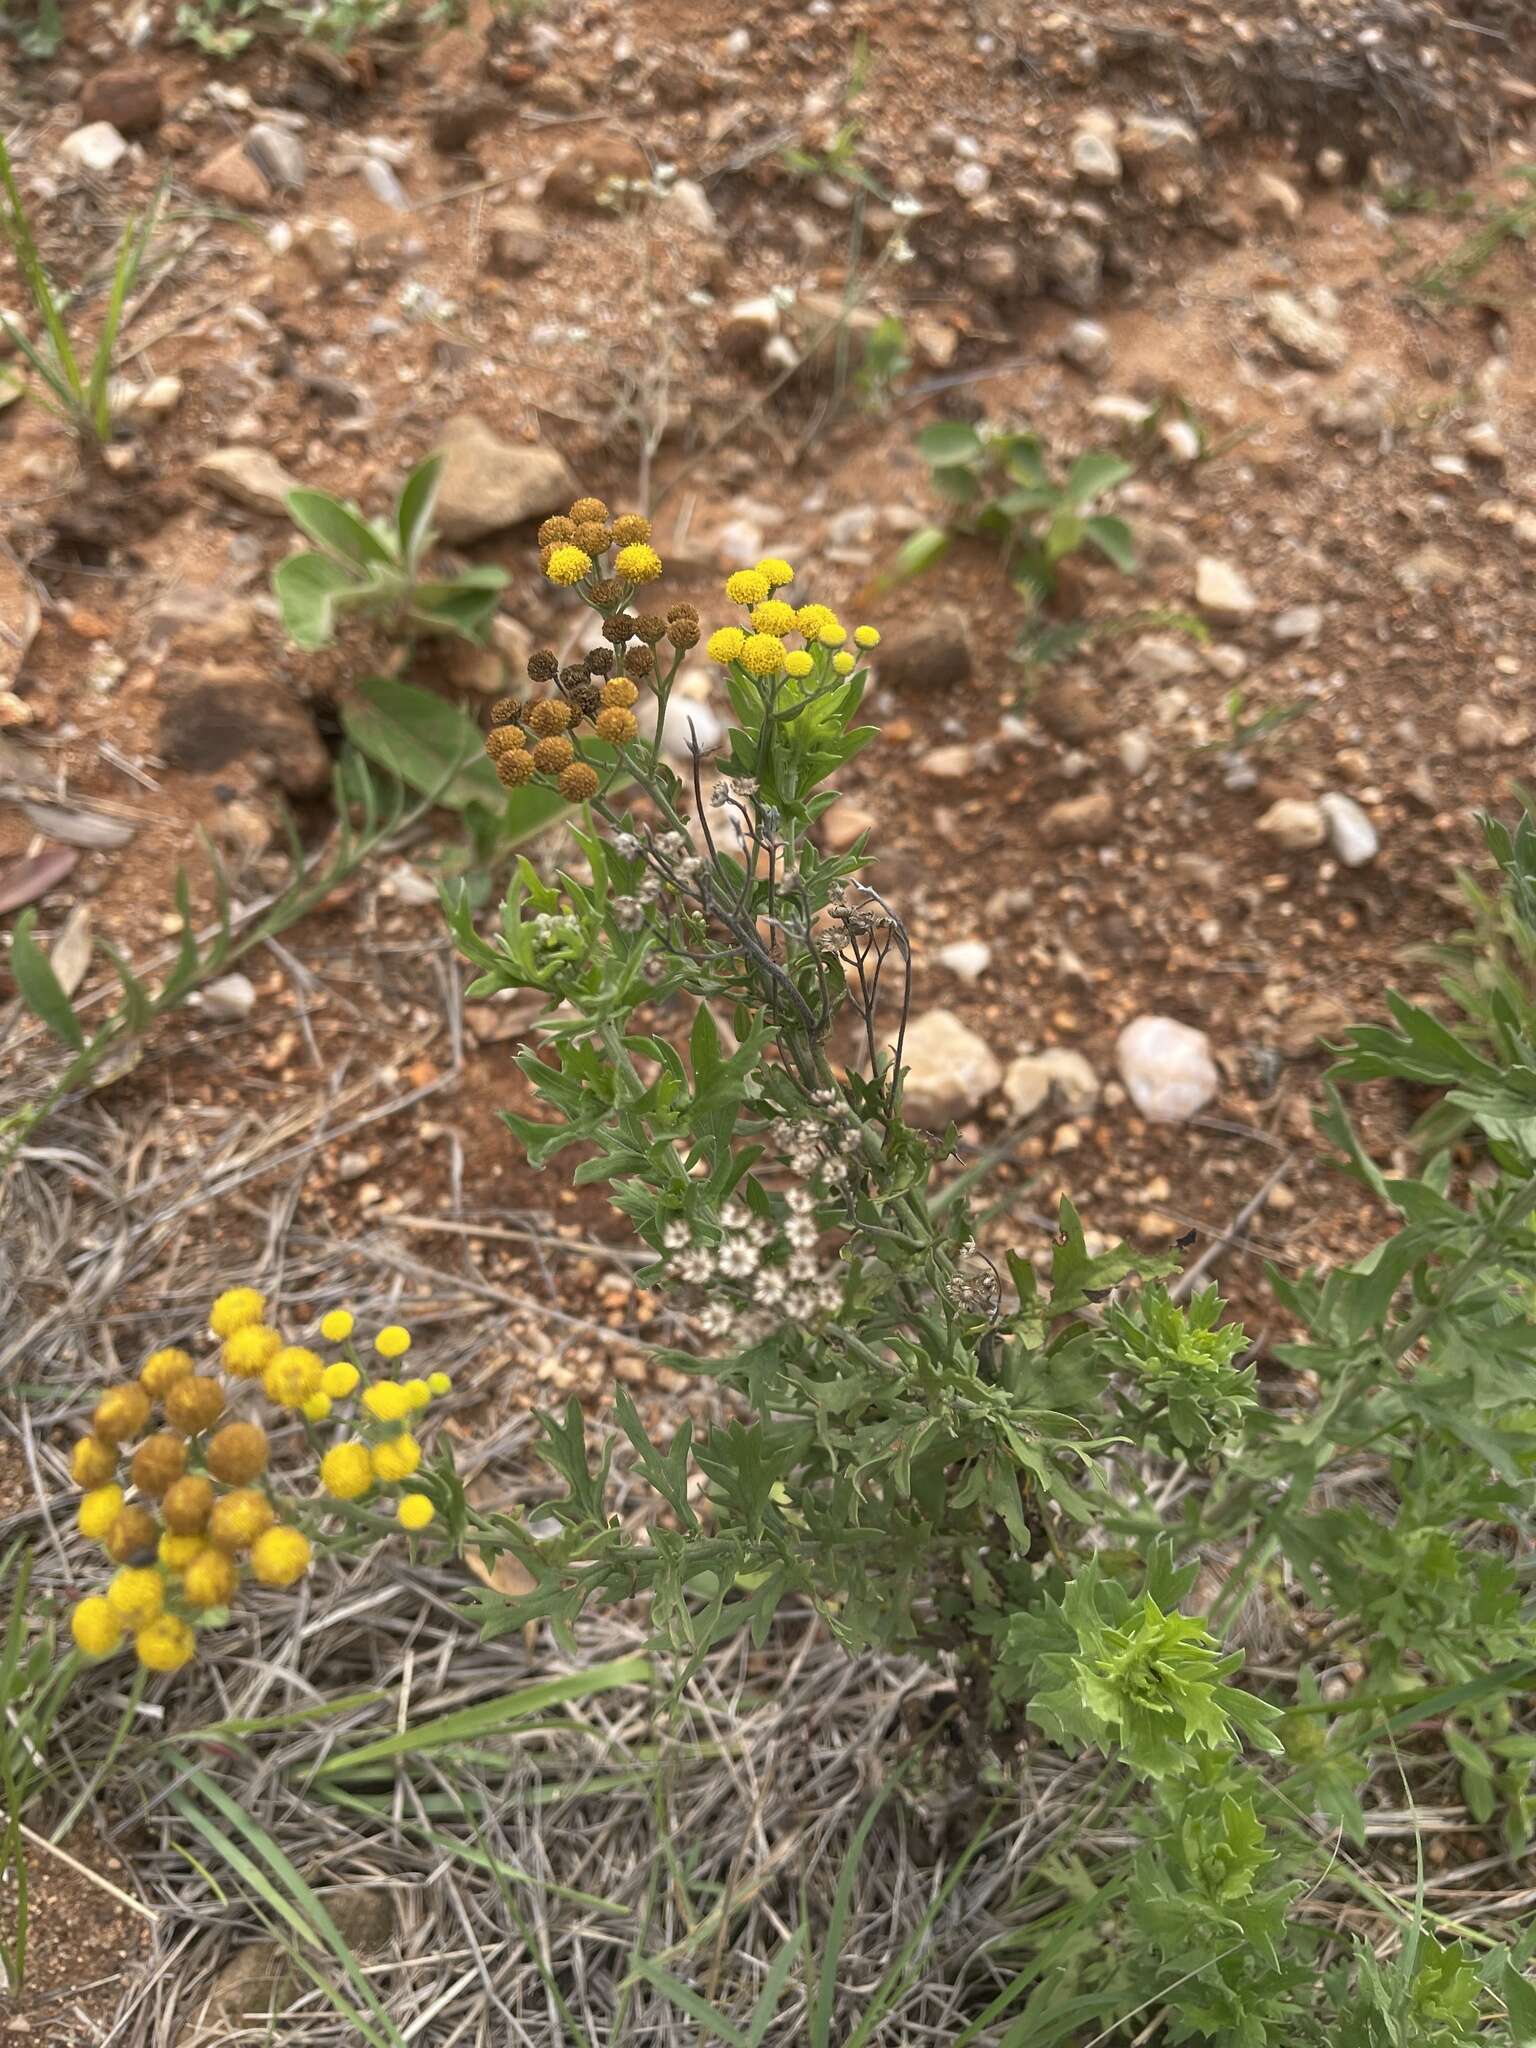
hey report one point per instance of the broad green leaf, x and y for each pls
(339, 529)
(1094, 474)
(413, 514)
(307, 587)
(426, 741)
(928, 545)
(1112, 538)
(39, 986)
(947, 442)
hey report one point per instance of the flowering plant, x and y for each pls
(902, 1447)
(206, 1515)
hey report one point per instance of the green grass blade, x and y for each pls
(18, 232)
(773, 1988)
(469, 1723)
(715, 2025)
(837, 1924)
(130, 258)
(39, 986)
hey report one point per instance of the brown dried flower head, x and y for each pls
(543, 665)
(553, 754)
(514, 769)
(550, 715)
(587, 697)
(650, 627)
(620, 628)
(599, 661)
(640, 662)
(631, 529)
(617, 726)
(506, 711)
(587, 509)
(578, 782)
(619, 693)
(558, 532)
(502, 740)
(593, 538)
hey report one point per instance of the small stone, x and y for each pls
(231, 176)
(748, 327)
(1181, 438)
(1294, 824)
(1074, 268)
(1364, 412)
(1484, 440)
(1351, 831)
(688, 202)
(1319, 1019)
(126, 98)
(1298, 622)
(843, 824)
(517, 244)
(232, 995)
(1222, 590)
(1167, 1068)
(1276, 199)
(1071, 709)
(971, 180)
(251, 476)
(1315, 343)
(382, 182)
(1085, 345)
(967, 959)
(279, 156)
(160, 396)
(1159, 658)
(1152, 142)
(949, 764)
(329, 247)
(1033, 1076)
(488, 484)
(933, 653)
(1427, 566)
(950, 1071)
(1479, 730)
(598, 174)
(1330, 166)
(1134, 750)
(97, 148)
(1095, 158)
(1081, 820)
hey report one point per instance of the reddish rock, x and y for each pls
(232, 177)
(128, 97)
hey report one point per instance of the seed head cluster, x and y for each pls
(187, 1511)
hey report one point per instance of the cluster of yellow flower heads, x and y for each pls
(537, 740)
(194, 1513)
(759, 647)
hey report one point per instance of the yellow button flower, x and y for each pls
(346, 1471)
(438, 1383)
(121, 1412)
(747, 586)
(417, 1393)
(776, 569)
(812, 617)
(393, 1341)
(136, 1594)
(773, 616)
(638, 563)
(763, 655)
(415, 1511)
(340, 1379)
(92, 1462)
(98, 1511)
(567, 565)
(832, 634)
(844, 664)
(294, 1374)
(396, 1460)
(96, 1627)
(280, 1556)
(237, 1453)
(177, 1552)
(240, 1518)
(386, 1401)
(158, 1463)
(163, 1369)
(726, 644)
(250, 1350)
(867, 636)
(337, 1326)
(798, 663)
(194, 1404)
(235, 1307)
(317, 1407)
(187, 1505)
(210, 1579)
(165, 1645)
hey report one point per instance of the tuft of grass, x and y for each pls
(75, 387)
